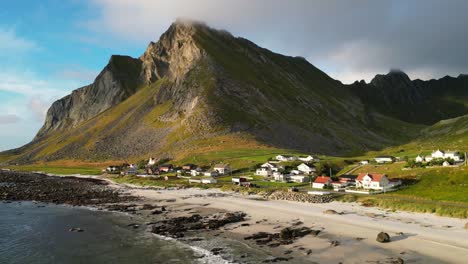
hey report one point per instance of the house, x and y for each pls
(373, 181)
(384, 159)
(222, 169)
(308, 158)
(272, 167)
(263, 172)
(306, 168)
(196, 172)
(363, 162)
(132, 169)
(419, 159)
(280, 177)
(209, 180)
(239, 180)
(151, 161)
(285, 158)
(299, 178)
(394, 182)
(452, 155)
(347, 180)
(338, 185)
(446, 164)
(440, 154)
(295, 172)
(113, 169)
(165, 168)
(212, 173)
(188, 167)
(321, 181)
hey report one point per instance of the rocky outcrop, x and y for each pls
(117, 81)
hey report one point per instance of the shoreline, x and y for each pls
(349, 236)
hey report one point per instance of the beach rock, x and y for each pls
(275, 259)
(156, 212)
(75, 229)
(216, 251)
(383, 237)
(258, 235)
(399, 261)
(330, 211)
(334, 243)
(308, 252)
(299, 197)
(293, 233)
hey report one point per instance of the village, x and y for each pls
(298, 173)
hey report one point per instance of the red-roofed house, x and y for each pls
(373, 181)
(321, 181)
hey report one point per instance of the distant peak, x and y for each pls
(397, 72)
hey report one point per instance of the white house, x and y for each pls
(306, 168)
(299, 178)
(195, 172)
(280, 177)
(363, 162)
(263, 172)
(308, 158)
(266, 169)
(222, 168)
(321, 181)
(151, 161)
(208, 180)
(212, 173)
(384, 159)
(285, 158)
(452, 155)
(440, 154)
(272, 167)
(373, 181)
(419, 158)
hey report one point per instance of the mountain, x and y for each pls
(417, 101)
(200, 90)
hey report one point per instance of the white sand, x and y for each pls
(426, 238)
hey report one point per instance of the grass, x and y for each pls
(394, 203)
(60, 170)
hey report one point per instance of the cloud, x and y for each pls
(353, 38)
(9, 119)
(10, 43)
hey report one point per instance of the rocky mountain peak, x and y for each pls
(174, 53)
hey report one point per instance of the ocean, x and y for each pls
(39, 233)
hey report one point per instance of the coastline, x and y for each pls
(348, 237)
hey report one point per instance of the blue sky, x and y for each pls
(50, 47)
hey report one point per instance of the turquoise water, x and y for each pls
(32, 234)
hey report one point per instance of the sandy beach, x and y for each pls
(415, 238)
(346, 235)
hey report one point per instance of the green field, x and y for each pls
(60, 170)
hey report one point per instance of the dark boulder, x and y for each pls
(383, 237)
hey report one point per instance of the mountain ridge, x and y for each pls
(199, 89)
